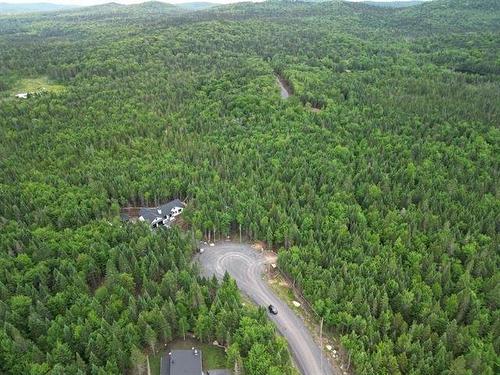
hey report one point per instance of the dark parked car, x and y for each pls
(273, 310)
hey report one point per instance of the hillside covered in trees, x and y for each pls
(377, 180)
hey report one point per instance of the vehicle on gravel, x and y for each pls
(273, 310)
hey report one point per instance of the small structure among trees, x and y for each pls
(164, 214)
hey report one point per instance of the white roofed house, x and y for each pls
(22, 95)
(162, 215)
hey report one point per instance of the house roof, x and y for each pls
(167, 207)
(151, 213)
(185, 362)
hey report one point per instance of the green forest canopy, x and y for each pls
(384, 204)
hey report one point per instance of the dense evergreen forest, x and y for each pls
(377, 180)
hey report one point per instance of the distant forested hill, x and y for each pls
(376, 181)
(394, 4)
(32, 7)
(197, 5)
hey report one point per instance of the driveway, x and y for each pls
(246, 266)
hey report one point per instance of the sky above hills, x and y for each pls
(95, 2)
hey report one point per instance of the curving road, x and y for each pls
(246, 266)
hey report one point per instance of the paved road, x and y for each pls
(246, 265)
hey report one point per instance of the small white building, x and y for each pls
(22, 95)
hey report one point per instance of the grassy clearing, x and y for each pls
(213, 356)
(34, 85)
